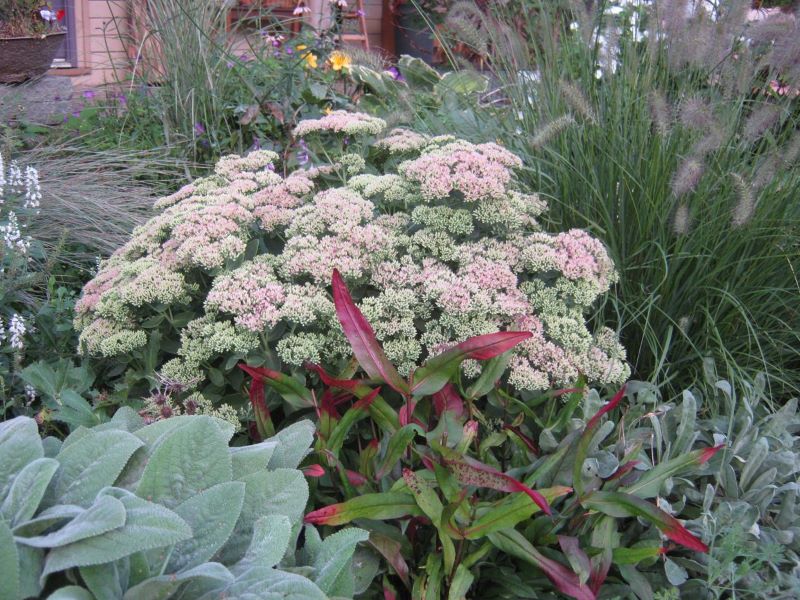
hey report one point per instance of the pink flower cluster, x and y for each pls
(440, 248)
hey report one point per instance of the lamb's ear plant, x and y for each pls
(450, 483)
(131, 511)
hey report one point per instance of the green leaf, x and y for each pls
(212, 515)
(107, 581)
(617, 504)
(294, 443)
(75, 410)
(632, 556)
(253, 458)
(268, 584)
(649, 485)
(106, 514)
(147, 526)
(279, 492)
(491, 372)
(461, 583)
(462, 82)
(19, 445)
(164, 586)
(271, 536)
(292, 391)
(334, 557)
(508, 512)
(397, 447)
(71, 592)
(417, 72)
(88, 465)
(9, 563)
(675, 573)
(27, 490)
(373, 80)
(194, 458)
(31, 561)
(47, 518)
(387, 505)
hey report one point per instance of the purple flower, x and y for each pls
(88, 94)
(395, 73)
(289, 50)
(122, 99)
(229, 64)
(256, 144)
(302, 154)
(361, 13)
(244, 57)
(199, 128)
(77, 114)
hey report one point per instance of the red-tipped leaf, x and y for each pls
(387, 505)
(447, 399)
(289, 388)
(313, 471)
(362, 338)
(617, 504)
(439, 370)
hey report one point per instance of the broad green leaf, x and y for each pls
(249, 459)
(292, 391)
(147, 526)
(491, 372)
(31, 561)
(106, 514)
(372, 79)
(47, 518)
(585, 440)
(271, 536)
(354, 414)
(19, 445)
(268, 584)
(675, 573)
(417, 72)
(632, 556)
(212, 515)
(52, 446)
(294, 443)
(462, 82)
(194, 458)
(163, 586)
(387, 505)
(334, 557)
(71, 592)
(27, 491)
(686, 433)
(279, 492)
(88, 465)
(9, 563)
(107, 581)
(75, 410)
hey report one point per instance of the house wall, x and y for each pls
(103, 32)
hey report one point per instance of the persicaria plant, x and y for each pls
(434, 236)
(452, 486)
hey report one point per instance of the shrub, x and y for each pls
(165, 510)
(435, 236)
(449, 469)
(675, 142)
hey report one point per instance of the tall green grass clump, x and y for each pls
(671, 133)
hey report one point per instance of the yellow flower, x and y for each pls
(311, 60)
(339, 60)
(301, 47)
(327, 110)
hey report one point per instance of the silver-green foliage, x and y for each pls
(131, 511)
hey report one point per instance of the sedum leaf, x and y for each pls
(362, 338)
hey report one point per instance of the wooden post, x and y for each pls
(387, 29)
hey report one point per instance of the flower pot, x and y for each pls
(22, 58)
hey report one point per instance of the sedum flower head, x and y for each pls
(437, 244)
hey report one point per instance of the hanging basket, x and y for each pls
(23, 58)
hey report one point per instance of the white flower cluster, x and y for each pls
(15, 181)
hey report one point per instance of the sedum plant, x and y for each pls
(167, 510)
(434, 235)
(457, 494)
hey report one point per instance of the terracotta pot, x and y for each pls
(22, 58)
